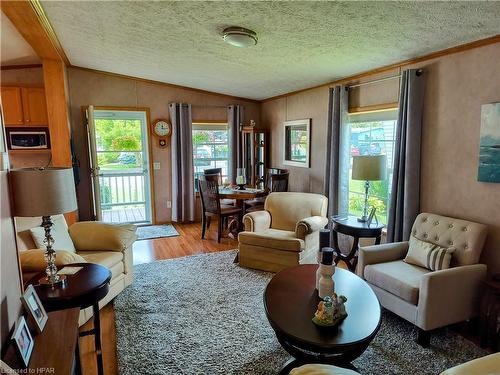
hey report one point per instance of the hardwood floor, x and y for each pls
(188, 243)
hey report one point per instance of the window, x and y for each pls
(210, 149)
(371, 134)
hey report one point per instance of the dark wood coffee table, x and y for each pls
(83, 289)
(290, 301)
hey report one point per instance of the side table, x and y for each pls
(490, 313)
(352, 227)
(83, 289)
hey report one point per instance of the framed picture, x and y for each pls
(36, 313)
(23, 341)
(489, 144)
(297, 141)
(372, 216)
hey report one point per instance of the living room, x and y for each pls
(295, 127)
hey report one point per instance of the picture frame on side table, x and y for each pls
(37, 316)
(372, 216)
(23, 341)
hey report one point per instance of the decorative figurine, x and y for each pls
(324, 274)
(331, 311)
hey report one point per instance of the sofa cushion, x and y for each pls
(98, 236)
(59, 232)
(273, 238)
(399, 278)
(428, 255)
(113, 260)
(34, 260)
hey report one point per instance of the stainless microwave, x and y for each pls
(28, 138)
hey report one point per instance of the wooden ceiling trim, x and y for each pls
(433, 55)
(30, 20)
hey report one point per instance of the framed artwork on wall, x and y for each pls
(297, 141)
(489, 144)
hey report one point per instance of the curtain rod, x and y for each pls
(373, 81)
(208, 106)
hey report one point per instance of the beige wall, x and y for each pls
(456, 87)
(91, 88)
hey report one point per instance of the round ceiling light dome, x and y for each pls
(239, 36)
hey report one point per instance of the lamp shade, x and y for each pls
(369, 168)
(42, 192)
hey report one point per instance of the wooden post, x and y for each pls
(57, 112)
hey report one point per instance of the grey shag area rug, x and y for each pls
(156, 231)
(204, 314)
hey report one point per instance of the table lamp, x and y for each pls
(44, 192)
(368, 168)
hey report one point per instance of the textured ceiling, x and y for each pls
(14, 49)
(301, 44)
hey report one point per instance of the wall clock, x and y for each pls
(162, 128)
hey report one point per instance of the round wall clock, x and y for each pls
(162, 128)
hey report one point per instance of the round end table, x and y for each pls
(83, 289)
(350, 226)
(290, 301)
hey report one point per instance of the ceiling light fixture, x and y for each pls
(239, 36)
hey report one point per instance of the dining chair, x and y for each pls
(218, 171)
(208, 186)
(274, 182)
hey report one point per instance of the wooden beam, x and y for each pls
(30, 20)
(15, 67)
(57, 111)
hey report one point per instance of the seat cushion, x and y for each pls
(318, 369)
(113, 260)
(489, 364)
(398, 278)
(274, 239)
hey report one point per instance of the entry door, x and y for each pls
(120, 165)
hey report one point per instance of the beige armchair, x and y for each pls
(109, 245)
(285, 234)
(429, 299)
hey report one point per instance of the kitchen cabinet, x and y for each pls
(24, 106)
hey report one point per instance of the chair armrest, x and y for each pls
(257, 221)
(449, 296)
(383, 253)
(34, 260)
(97, 236)
(309, 225)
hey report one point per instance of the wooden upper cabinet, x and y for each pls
(12, 106)
(34, 106)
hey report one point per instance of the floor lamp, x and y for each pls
(368, 168)
(44, 192)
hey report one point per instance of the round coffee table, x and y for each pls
(83, 289)
(290, 300)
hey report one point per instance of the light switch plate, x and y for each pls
(169, 204)
(156, 165)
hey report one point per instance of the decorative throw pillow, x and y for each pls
(59, 232)
(428, 255)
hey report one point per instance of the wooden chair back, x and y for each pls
(208, 186)
(217, 171)
(278, 182)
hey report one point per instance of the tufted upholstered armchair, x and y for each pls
(285, 234)
(429, 299)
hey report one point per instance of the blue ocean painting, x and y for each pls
(489, 144)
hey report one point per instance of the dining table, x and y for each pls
(239, 195)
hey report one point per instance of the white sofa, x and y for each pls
(109, 245)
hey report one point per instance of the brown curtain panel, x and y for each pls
(337, 109)
(405, 193)
(183, 198)
(235, 114)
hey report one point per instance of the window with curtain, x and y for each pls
(210, 148)
(370, 134)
